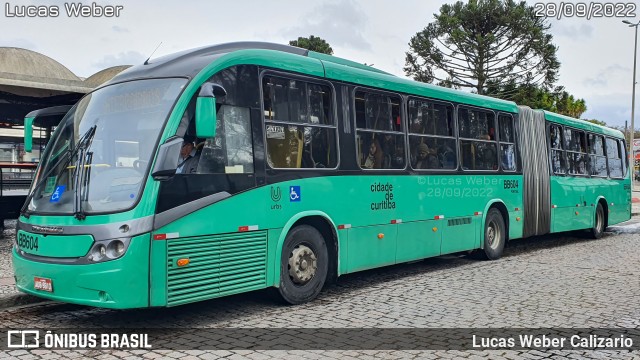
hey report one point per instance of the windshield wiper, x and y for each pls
(64, 160)
(81, 180)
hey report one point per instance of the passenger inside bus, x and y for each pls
(374, 158)
(488, 136)
(426, 158)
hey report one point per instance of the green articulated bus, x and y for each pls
(244, 166)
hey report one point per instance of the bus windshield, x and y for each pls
(107, 173)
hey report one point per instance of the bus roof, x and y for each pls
(188, 63)
(581, 124)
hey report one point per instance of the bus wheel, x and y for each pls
(598, 227)
(494, 235)
(303, 266)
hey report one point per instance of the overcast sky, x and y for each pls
(596, 55)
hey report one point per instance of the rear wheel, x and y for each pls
(598, 224)
(303, 265)
(494, 235)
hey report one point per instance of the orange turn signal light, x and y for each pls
(380, 236)
(434, 229)
(183, 262)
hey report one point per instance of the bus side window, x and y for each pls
(432, 141)
(614, 158)
(598, 160)
(625, 158)
(477, 139)
(507, 142)
(557, 149)
(299, 126)
(379, 130)
(576, 152)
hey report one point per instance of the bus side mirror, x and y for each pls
(206, 121)
(28, 134)
(167, 161)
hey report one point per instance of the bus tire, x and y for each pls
(494, 235)
(598, 223)
(303, 265)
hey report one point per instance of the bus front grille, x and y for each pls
(217, 266)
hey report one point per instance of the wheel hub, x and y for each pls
(302, 264)
(492, 234)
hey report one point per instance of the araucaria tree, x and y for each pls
(470, 45)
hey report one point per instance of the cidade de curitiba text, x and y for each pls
(71, 9)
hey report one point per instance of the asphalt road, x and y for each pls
(566, 281)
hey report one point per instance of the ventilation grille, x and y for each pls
(461, 221)
(218, 266)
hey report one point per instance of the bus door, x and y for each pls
(569, 186)
(569, 209)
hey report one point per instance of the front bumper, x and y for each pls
(119, 284)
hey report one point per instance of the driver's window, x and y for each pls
(231, 151)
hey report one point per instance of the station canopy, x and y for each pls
(31, 81)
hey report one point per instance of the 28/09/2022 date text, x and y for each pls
(586, 10)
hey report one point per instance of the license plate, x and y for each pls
(43, 284)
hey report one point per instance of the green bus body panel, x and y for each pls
(121, 283)
(460, 233)
(393, 83)
(576, 198)
(272, 251)
(333, 59)
(572, 211)
(58, 246)
(583, 125)
(414, 200)
(368, 250)
(516, 224)
(418, 240)
(158, 273)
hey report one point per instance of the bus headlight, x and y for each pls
(98, 252)
(115, 249)
(108, 250)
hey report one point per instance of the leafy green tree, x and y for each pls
(566, 104)
(470, 45)
(557, 100)
(313, 43)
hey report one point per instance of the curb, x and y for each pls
(19, 300)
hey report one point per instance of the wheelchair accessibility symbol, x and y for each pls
(294, 194)
(55, 197)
